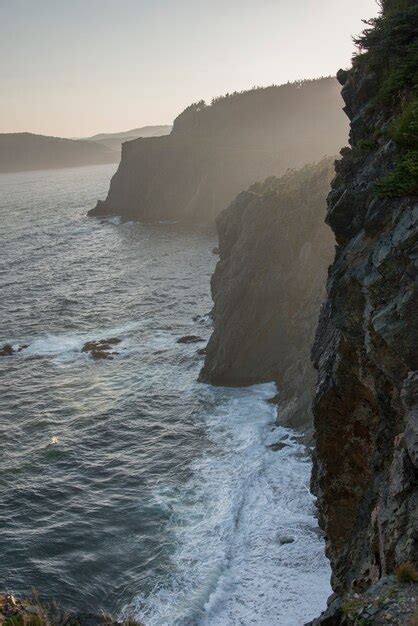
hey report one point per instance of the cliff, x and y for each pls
(114, 141)
(213, 152)
(26, 151)
(268, 287)
(366, 349)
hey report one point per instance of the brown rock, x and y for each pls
(190, 339)
(6, 350)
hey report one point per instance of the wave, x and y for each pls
(67, 346)
(248, 550)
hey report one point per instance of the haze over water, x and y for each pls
(126, 485)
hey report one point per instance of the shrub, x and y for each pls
(404, 130)
(389, 47)
(406, 573)
(403, 179)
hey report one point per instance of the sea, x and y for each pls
(125, 485)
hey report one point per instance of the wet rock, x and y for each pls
(23, 347)
(113, 340)
(6, 350)
(101, 349)
(100, 354)
(278, 445)
(285, 539)
(215, 250)
(274, 399)
(190, 339)
(201, 351)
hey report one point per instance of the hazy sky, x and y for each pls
(78, 67)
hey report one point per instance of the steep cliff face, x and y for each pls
(216, 151)
(268, 286)
(366, 349)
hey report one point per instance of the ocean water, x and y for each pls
(125, 485)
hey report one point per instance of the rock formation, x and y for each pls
(216, 151)
(268, 287)
(102, 348)
(366, 349)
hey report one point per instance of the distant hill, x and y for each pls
(214, 151)
(27, 151)
(114, 140)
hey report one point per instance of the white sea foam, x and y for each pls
(67, 346)
(230, 567)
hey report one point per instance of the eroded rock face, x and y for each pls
(268, 287)
(216, 151)
(366, 353)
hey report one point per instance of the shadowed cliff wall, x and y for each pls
(366, 349)
(268, 286)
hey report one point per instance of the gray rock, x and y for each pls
(268, 286)
(366, 354)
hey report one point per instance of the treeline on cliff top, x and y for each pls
(228, 115)
(388, 47)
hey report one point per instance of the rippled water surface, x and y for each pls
(125, 485)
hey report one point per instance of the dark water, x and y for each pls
(124, 484)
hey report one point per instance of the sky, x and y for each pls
(73, 68)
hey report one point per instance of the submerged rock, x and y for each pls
(285, 539)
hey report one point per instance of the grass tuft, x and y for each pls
(406, 573)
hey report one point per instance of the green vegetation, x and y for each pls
(403, 180)
(406, 573)
(389, 47)
(236, 110)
